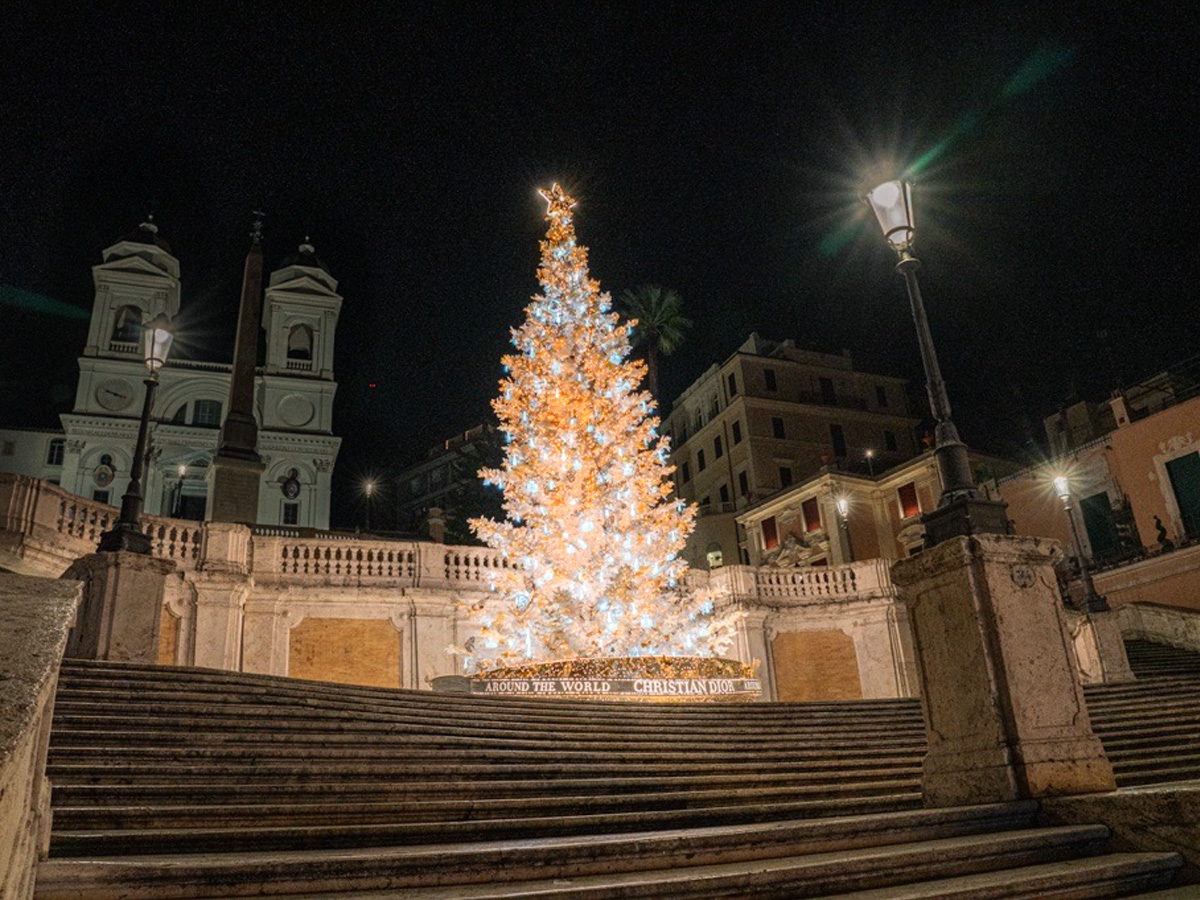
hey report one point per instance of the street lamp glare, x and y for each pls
(892, 204)
(156, 342)
(1062, 487)
(843, 506)
(182, 470)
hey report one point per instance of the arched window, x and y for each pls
(127, 326)
(300, 342)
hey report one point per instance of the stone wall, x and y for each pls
(1171, 579)
(35, 616)
(363, 609)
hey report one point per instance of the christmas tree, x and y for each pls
(591, 536)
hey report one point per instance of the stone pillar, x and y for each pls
(754, 640)
(436, 524)
(1099, 648)
(1004, 709)
(429, 626)
(122, 606)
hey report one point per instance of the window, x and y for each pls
(828, 395)
(9, 448)
(705, 501)
(437, 476)
(743, 484)
(700, 461)
(881, 396)
(100, 496)
(713, 407)
(127, 326)
(770, 534)
(718, 450)
(58, 447)
(732, 380)
(686, 471)
(837, 437)
(810, 510)
(291, 514)
(785, 476)
(889, 441)
(737, 432)
(907, 498)
(724, 493)
(769, 378)
(777, 427)
(207, 413)
(180, 417)
(300, 342)
(698, 421)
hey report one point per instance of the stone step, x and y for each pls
(162, 793)
(1047, 858)
(263, 838)
(1034, 878)
(1164, 775)
(468, 806)
(489, 860)
(1187, 892)
(102, 771)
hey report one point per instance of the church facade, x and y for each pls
(294, 388)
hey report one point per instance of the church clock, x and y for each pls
(114, 394)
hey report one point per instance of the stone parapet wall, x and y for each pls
(239, 592)
(1171, 579)
(35, 616)
(1161, 624)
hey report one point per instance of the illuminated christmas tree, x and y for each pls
(591, 536)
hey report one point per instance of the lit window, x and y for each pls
(811, 511)
(907, 498)
(770, 534)
(58, 447)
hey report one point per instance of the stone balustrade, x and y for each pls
(824, 583)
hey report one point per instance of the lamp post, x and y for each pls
(127, 533)
(177, 506)
(843, 508)
(961, 509)
(369, 490)
(1092, 601)
(871, 463)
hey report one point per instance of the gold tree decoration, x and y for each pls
(591, 536)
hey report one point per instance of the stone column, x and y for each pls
(754, 640)
(122, 606)
(1004, 708)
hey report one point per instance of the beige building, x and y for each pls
(769, 417)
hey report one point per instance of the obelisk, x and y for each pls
(236, 474)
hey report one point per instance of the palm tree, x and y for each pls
(660, 325)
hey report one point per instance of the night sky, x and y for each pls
(715, 148)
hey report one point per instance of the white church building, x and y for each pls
(294, 389)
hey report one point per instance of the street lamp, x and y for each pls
(127, 533)
(369, 490)
(1092, 601)
(871, 463)
(961, 509)
(843, 508)
(177, 506)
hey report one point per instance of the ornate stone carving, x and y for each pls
(76, 446)
(322, 464)
(1176, 444)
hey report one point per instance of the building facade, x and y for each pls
(138, 279)
(769, 417)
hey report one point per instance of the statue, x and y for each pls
(1165, 544)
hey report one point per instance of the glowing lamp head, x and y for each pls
(892, 204)
(1062, 487)
(368, 488)
(156, 342)
(843, 506)
(183, 470)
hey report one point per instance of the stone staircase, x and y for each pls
(189, 783)
(1151, 660)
